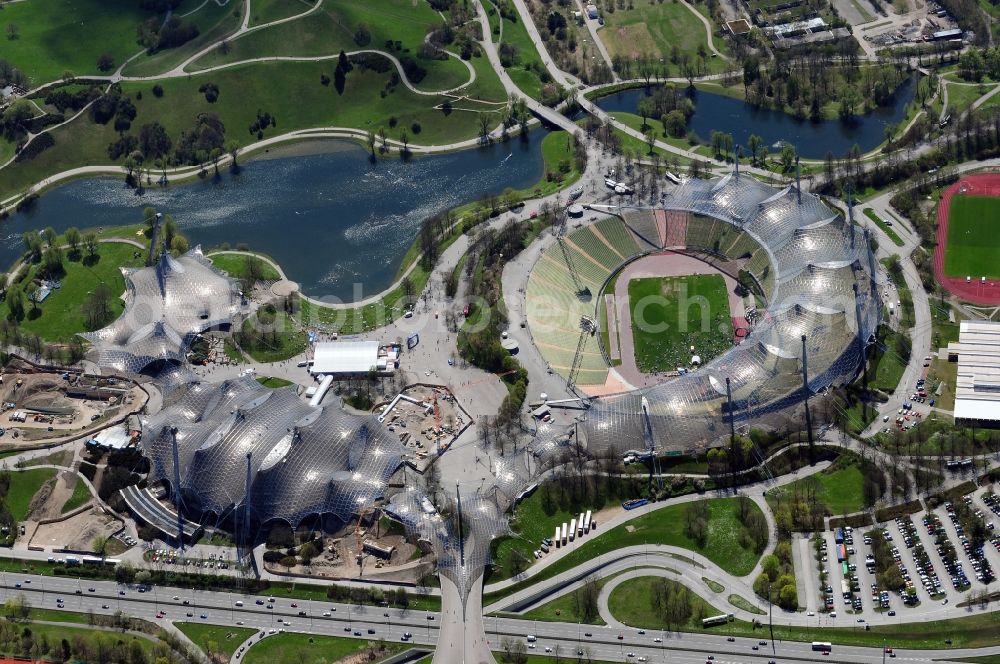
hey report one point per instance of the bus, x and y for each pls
(720, 619)
(822, 646)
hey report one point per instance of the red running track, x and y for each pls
(986, 184)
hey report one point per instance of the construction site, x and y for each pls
(43, 406)
(427, 418)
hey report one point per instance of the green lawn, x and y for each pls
(524, 72)
(24, 484)
(274, 383)
(961, 97)
(662, 526)
(838, 487)
(300, 648)
(288, 340)
(214, 22)
(60, 316)
(973, 241)
(265, 11)
(888, 366)
(533, 520)
(235, 265)
(81, 494)
(215, 638)
(331, 30)
(656, 29)
(290, 91)
(562, 609)
(870, 213)
(55, 36)
(665, 327)
(631, 603)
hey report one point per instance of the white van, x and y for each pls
(531, 638)
(239, 602)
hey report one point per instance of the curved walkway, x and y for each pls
(708, 30)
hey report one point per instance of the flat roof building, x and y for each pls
(977, 387)
(345, 357)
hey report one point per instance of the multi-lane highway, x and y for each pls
(370, 622)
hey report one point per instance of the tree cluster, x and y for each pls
(155, 34)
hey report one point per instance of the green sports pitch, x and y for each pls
(672, 314)
(973, 245)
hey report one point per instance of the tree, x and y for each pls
(788, 597)
(179, 245)
(33, 244)
(105, 62)
(90, 243)
(100, 545)
(154, 141)
(484, 127)
(771, 566)
(307, 552)
(787, 156)
(15, 303)
(97, 307)
(645, 110)
(12, 31)
(73, 237)
(49, 235)
(362, 35)
(404, 138)
(755, 143)
(370, 137)
(513, 651)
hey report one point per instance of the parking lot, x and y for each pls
(942, 555)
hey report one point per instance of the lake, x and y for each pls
(812, 140)
(331, 219)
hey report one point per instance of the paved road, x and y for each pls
(346, 620)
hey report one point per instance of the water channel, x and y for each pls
(812, 140)
(331, 218)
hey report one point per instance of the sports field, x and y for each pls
(973, 241)
(672, 314)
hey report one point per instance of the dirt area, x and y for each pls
(48, 501)
(78, 532)
(413, 419)
(339, 551)
(40, 406)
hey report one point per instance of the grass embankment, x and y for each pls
(331, 29)
(723, 544)
(836, 490)
(235, 265)
(57, 36)
(298, 648)
(272, 336)
(291, 92)
(632, 603)
(666, 330)
(887, 363)
(665, 29)
(870, 213)
(60, 317)
(266, 11)
(274, 383)
(525, 72)
(215, 640)
(24, 484)
(214, 22)
(81, 495)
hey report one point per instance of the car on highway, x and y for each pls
(326, 614)
(357, 632)
(294, 605)
(91, 590)
(730, 639)
(105, 607)
(204, 616)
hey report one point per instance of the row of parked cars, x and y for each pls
(925, 568)
(974, 550)
(949, 557)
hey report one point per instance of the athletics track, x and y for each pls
(986, 184)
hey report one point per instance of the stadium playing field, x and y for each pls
(671, 314)
(973, 245)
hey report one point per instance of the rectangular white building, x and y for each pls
(977, 388)
(345, 357)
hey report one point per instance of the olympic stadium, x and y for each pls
(814, 275)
